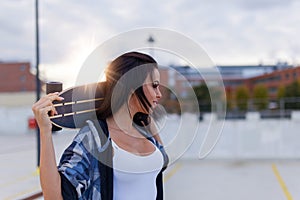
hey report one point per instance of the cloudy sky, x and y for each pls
(232, 32)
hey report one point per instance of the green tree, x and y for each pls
(203, 97)
(281, 92)
(169, 100)
(242, 97)
(260, 95)
(229, 100)
(292, 91)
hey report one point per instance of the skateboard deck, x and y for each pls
(80, 104)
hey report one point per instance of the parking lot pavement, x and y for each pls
(185, 179)
(235, 180)
(19, 176)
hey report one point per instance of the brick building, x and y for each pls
(16, 77)
(271, 76)
(274, 80)
(17, 84)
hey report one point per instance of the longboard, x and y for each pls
(80, 104)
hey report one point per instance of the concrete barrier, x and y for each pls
(14, 120)
(253, 138)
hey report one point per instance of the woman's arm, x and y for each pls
(49, 176)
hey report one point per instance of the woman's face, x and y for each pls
(151, 91)
(151, 88)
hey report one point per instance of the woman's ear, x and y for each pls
(141, 119)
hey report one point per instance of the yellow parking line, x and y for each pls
(20, 179)
(24, 192)
(172, 172)
(281, 182)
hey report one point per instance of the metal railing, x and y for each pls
(267, 108)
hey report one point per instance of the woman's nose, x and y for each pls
(158, 94)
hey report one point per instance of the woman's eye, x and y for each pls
(155, 85)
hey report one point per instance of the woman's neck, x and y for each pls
(121, 120)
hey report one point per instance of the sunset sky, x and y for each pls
(234, 32)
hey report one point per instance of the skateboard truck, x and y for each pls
(52, 87)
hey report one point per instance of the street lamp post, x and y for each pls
(151, 42)
(38, 83)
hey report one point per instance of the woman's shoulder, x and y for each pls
(91, 129)
(93, 135)
(82, 133)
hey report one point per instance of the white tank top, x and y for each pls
(134, 175)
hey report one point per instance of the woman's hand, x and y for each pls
(41, 109)
(49, 176)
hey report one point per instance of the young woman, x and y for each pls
(117, 156)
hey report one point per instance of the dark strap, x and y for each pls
(159, 186)
(105, 162)
(68, 191)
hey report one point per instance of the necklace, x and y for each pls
(131, 133)
(118, 129)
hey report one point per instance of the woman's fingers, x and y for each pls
(55, 96)
(49, 99)
(50, 109)
(44, 107)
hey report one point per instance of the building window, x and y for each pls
(23, 79)
(277, 78)
(184, 94)
(22, 67)
(287, 76)
(272, 90)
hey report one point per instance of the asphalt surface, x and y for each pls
(212, 179)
